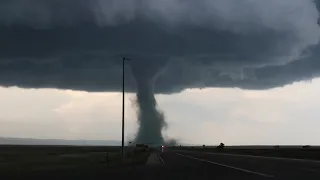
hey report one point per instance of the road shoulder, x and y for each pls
(154, 159)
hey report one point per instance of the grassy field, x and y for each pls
(23, 159)
(312, 153)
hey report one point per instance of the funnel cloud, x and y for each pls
(151, 120)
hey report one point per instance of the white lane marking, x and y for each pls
(231, 167)
(160, 158)
(262, 157)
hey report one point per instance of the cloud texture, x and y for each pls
(77, 44)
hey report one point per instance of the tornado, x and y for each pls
(150, 119)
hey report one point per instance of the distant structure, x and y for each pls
(221, 146)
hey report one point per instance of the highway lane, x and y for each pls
(187, 168)
(178, 167)
(195, 166)
(274, 167)
(174, 167)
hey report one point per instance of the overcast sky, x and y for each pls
(286, 115)
(227, 71)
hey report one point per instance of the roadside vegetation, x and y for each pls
(24, 159)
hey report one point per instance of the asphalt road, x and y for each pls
(258, 167)
(197, 166)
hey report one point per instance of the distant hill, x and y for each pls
(29, 141)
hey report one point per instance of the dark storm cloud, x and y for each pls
(77, 44)
(173, 44)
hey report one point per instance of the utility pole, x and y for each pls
(122, 138)
(122, 142)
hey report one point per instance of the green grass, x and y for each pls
(23, 159)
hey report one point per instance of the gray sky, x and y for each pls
(250, 58)
(285, 115)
